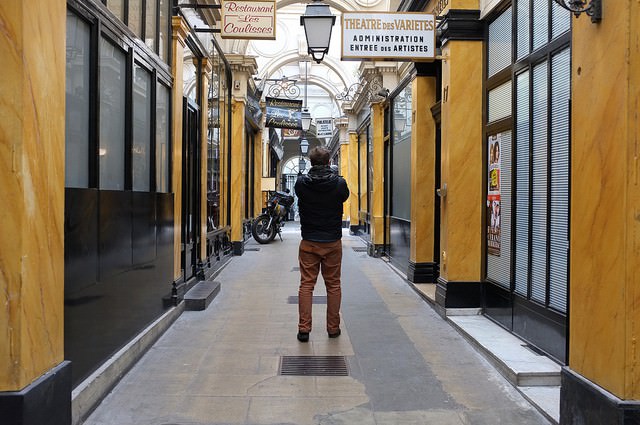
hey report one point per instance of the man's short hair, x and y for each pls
(319, 156)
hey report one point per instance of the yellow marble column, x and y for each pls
(377, 197)
(605, 200)
(179, 35)
(353, 180)
(237, 174)
(342, 124)
(423, 176)
(32, 146)
(205, 74)
(257, 173)
(462, 162)
(364, 173)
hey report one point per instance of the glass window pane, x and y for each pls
(77, 102)
(165, 31)
(500, 43)
(117, 8)
(162, 139)
(560, 20)
(135, 17)
(150, 24)
(189, 74)
(140, 155)
(522, 156)
(500, 102)
(540, 23)
(113, 73)
(524, 37)
(401, 181)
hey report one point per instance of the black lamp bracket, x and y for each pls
(592, 8)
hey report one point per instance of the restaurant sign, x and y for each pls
(283, 113)
(388, 36)
(255, 20)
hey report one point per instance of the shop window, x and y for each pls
(164, 33)
(141, 145)
(162, 138)
(135, 17)
(500, 102)
(500, 43)
(78, 102)
(117, 8)
(151, 24)
(522, 184)
(113, 72)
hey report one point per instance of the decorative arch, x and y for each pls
(341, 5)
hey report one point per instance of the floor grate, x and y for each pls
(295, 269)
(320, 299)
(313, 366)
(252, 249)
(360, 248)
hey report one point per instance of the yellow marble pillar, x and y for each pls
(257, 174)
(205, 74)
(462, 162)
(32, 145)
(237, 171)
(605, 200)
(352, 181)
(377, 197)
(423, 172)
(179, 35)
(364, 173)
(345, 159)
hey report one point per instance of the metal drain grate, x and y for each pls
(320, 299)
(313, 366)
(252, 249)
(295, 269)
(360, 248)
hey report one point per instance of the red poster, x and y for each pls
(493, 197)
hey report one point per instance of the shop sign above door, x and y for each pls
(388, 36)
(255, 20)
(283, 113)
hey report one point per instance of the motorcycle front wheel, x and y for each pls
(260, 230)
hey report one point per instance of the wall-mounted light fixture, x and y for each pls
(592, 8)
(279, 87)
(318, 22)
(372, 89)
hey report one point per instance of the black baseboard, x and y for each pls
(423, 272)
(583, 402)
(238, 247)
(354, 229)
(458, 294)
(45, 401)
(374, 250)
(345, 224)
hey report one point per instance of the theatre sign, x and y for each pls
(388, 36)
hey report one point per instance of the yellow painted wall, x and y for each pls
(353, 179)
(377, 197)
(32, 146)
(461, 143)
(423, 171)
(605, 200)
(180, 31)
(237, 169)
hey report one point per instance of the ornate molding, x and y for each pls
(461, 25)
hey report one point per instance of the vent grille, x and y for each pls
(252, 249)
(295, 269)
(313, 366)
(360, 248)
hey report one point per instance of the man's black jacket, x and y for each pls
(321, 194)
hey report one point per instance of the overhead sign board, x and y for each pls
(255, 20)
(324, 127)
(388, 36)
(283, 113)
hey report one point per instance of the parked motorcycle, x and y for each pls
(265, 227)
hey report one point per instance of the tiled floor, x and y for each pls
(220, 366)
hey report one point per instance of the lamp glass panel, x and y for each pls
(318, 32)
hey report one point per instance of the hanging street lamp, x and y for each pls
(318, 22)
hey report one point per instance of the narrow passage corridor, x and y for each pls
(406, 365)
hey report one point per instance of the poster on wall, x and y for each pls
(324, 127)
(493, 197)
(283, 113)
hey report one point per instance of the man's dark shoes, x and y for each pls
(334, 334)
(303, 336)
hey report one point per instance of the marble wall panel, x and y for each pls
(237, 169)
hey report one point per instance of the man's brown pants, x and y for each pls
(327, 258)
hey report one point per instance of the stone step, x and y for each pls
(200, 296)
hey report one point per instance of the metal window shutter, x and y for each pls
(500, 102)
(540, 23)
(539, 184)
(559, 224)
(524, 35)
(500, 43)
(560, 20)
(499, 268)
(522, 153)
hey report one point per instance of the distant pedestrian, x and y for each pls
(321, 194)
